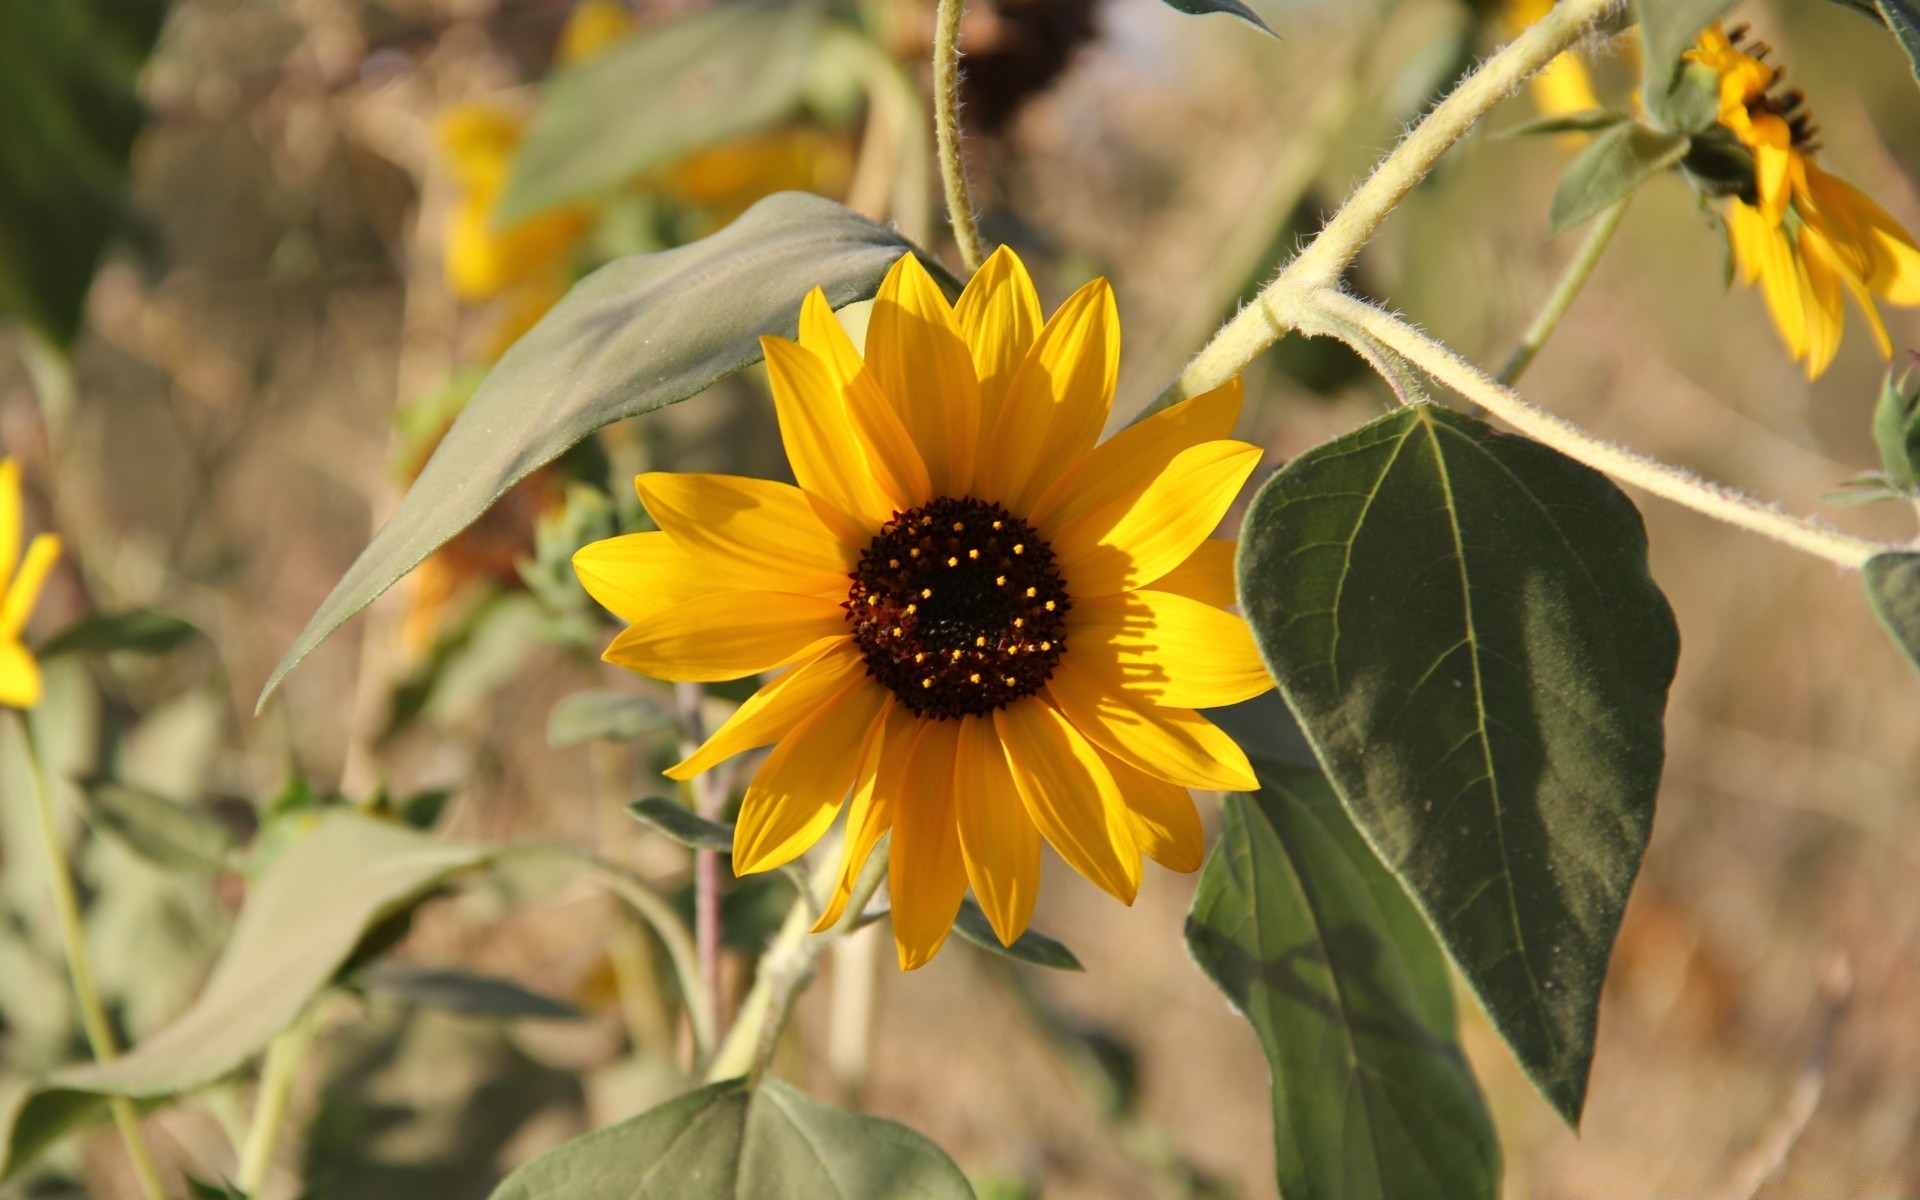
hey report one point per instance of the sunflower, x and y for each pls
(996, 632)
(1800, 233)
(19, 673)
(1563, 87)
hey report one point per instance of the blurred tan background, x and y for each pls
(236, 388)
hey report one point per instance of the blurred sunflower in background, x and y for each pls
(1564, 87)
(1805, 237)
(997, 631)
(20, 582)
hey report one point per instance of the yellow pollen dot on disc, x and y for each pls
(912, 608)
(1049, 606)
(1046, 645)
(973, 554)
(893, 564)
(927, 682)
(980, 641)
(1019, 547)
(898, 632)
(974, 678)
(926, 593)
(1019, 622)
(1011, 681)
(1032, 592)
(996, 526)
(873, 599)
(953, 562)
(914, 553)
(959, 526)
(956, 655)
(920, 657)
(999, 581)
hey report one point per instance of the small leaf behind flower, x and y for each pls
(142, 631)
(676, 822)
(1591, 121)
(463, 992)
(609, 716)
(1235, 8)
(1030, 947)
(1608, 171)
(1668, 29)
(1893, 588)
(170, 835)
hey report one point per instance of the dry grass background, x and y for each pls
(236, 392)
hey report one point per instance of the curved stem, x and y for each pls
(93, 1014)
(706, 864)
(1275, 311)
(277, 1077)
(946, 131)
(1628, 466)
(1571, 281)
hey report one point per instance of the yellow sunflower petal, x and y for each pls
(797, 792)
(1167, 649)
(9, 518)
(1821, 299)
(19, 676)
(771, 713)
(1206, 576)
(897, 467)
(1133, 541)
(827, 455)
(998, 840)
(752, 523)
(1070, 795)
(1174, 744)
(24, 589)
(926, 876)
(636, 575)
(728, 635)
(1116, 471)
(1058, 399)
(1165, 822)
(999, 315)
(922, 364)
(1893, 257)
(875, 796)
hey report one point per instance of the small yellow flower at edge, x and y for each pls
(996, 631)
(1805, 237)
(1563, 87)
(19, 673)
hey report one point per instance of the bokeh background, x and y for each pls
(280, 298)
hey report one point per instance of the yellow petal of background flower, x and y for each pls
(728, 635)
(1821, 300)
(926, 878)
(1174, 744)
(1129, 543)
(829, 458)
(1070, 795)
(756, 523)
(1165, 822)
(1206, 576)
(772, 712)
(1167, 649)
(922, 364)
(1057, 401)
(1116, 471)
(25, 586)
(999, 316)
(898, 469)
(19, 676)
(636, 575)
(870, 816)
(797, 792)
(9, 519)
(998, 840)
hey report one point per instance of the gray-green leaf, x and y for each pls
(1464, 624)
(660, 94)
(1893, 588)
(1608, 171)
(1231, 7)
(609, 716)
(1030, 947)
(1668, 29)
(734, 1142)
(634, 336)
(463, 992)
(165, 832)
(142, 631)
(677, 822)
(1311, 938)
(1896, 424)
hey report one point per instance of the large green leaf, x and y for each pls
(1312, 939)
(1607, 172)
(1667, 30)
(67, 73)
(735, 1142)
(1464, 624)
(1893, 588)
(660, 94)
(634, 336)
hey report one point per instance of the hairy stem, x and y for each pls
(706, 864)
(1628, 466)
(1276, 310)
(93, 1014)
(946, 132)
(1571, 281)
(277, 1077)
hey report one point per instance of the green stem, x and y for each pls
(1670, 482)
(1276, 310)
(1571, 281)
(787, 967)
(93, 1014)
(946, 132)
(277, 1078)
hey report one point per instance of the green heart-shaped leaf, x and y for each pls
(1464, 624)
(1893, 588)
(1607, 171)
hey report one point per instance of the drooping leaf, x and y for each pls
(1030, 947)
(735, 1142)
(165, 832)
(638, 334)
(1667, 31)
(67, 75)
(1464, 624)
(1591, 121)
(659, 94)
(612, 716)
(1893, 588)
(32, 1119)
(1903, 17)
(1896, 424)
(142, 631)
(1618, 161)
(1313, 940)
(680, 824)
(463, 992)
(1231, 7)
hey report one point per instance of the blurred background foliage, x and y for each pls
(337, 213)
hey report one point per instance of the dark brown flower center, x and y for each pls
(1789, 104)
(958, 608)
